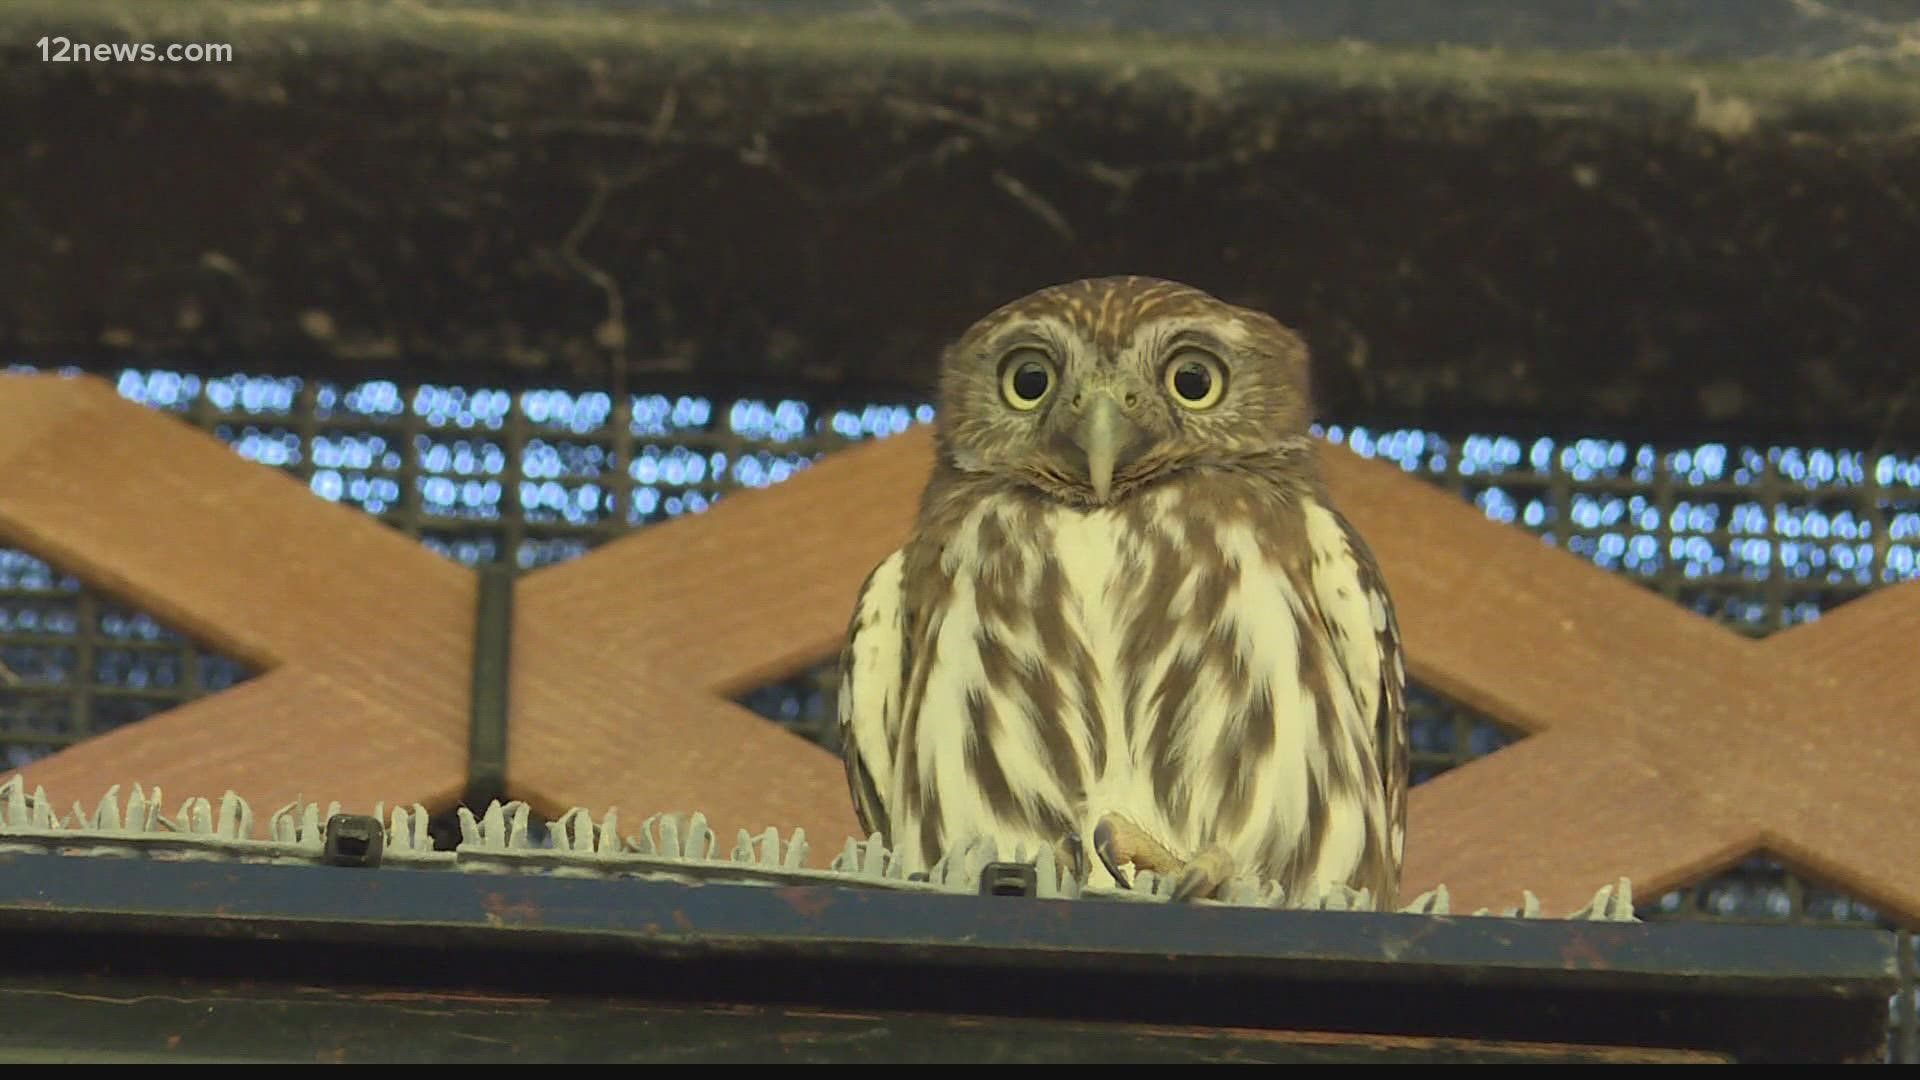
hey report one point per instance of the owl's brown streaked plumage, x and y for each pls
(1129, 612)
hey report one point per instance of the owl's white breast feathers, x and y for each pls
(1170, 662)
(870, 690)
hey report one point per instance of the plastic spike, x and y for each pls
(493, 827)
(198, 815)
(236, 818)
(848, 860)
(679, 836)
(106, 816)
(608, 841)
(567, 830)
(1434, 901)
(865, 858)
(469, 828)
(1623, 898)
(700, 841)
(1253, 892)
(959, 870)
(761, 850)
(1611, 903)
(13, 812)
(877, 859)
(582, 845)
(519, 836)
(1046, 873)
(283, 826)
(644, 842)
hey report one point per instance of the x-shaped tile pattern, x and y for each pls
(621, 667)
(363, 636)
(1663, 746)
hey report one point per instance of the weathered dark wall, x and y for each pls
(1684, 214)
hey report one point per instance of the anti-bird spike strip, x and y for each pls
(679, 847)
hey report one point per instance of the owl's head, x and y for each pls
(1090, 390)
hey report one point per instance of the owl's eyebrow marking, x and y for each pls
(1197, 336)
(1032, 335)
(1162, 342)
(1000, 346)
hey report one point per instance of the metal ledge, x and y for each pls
(787, 954)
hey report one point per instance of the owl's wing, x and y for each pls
(872, 675)
(1363, 628)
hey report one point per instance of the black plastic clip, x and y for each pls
(354, 840)
(1009, 879)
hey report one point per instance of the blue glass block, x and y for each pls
(463, 549)
(1430, 732)
(537, 553)
(357, 451)
(253, 395)
(376, 399)
(578, 414)
(278, 447)
(22, 572)
(461, 408)
(660, 414)
(43, 663)
(1486, 737)
(801, 705)
(1826, 906)
(27, 717)
(109, 712)
(218, 672)
(169, 390)
(778, 422)
(136, 669)
(1670, 903)
(678, 466)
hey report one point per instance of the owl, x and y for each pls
(1129, 624)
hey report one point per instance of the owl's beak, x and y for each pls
(1106, 435)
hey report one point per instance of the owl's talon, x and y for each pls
(1071, 855)
(1119, 842)
(1203, 875)
(1104, 846)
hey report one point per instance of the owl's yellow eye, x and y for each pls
(1196, 379)
(1026, 376)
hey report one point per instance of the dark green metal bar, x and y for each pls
(492, 648)
(389, 954)
(148, 1019)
